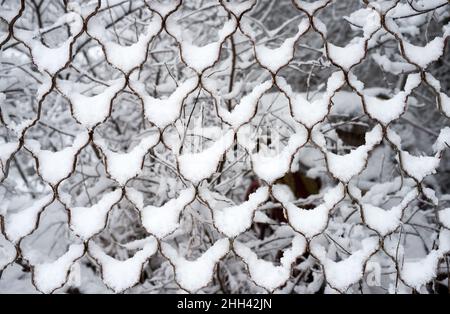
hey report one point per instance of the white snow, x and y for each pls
(345, 167)
(163, 8)
(196, 167)
(348, 56)
(386, 221)
(194, 275)
(264, 273)
(50, 276)
(238, 8)
(7, 252)
(404, 9)
(125, 58)
(48, 59)
(431, 195)
(6, 151)
(57, 166)
(341, 275)
(444, 241)
(386, 111)
(161, 221)
(309, 222)
(121, 275)
(394, 67)
(134, 159)
(258, 125)
(9, 11)
(444, 217)
(444, 100)
(419, 272)
(163, 112)
(19, 224)
(419, 167)
(311, 7)
(234, 220)
(443, 141)
(200, 58)
(246, 108)
(445, 103)
(88, 221)
(423, 56)
(275, 58)
(90, 110)
(309, 113)
(270, 164)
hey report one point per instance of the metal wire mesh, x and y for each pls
(120, 134)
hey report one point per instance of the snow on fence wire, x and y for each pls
(159, 173)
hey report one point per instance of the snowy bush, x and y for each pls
(224, 146)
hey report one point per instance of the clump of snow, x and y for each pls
(161, 221)
(200, 58)
(6, 151)
(443, 100)
(48, 277)
(404, 9)
(275, 59)
(443, 140)
(57, 166)
(309, 222)
(341, 275)
(125, 166)
(264, 273)
(163, 112)
(90, 111)
(309, 113)
(386, 111)
(386, 221)
(9, 11)
(19, 224)
(238, 8)
(246, 108)
(418, 167)
(394, 67)
(430, 194)
(444, 217)
(444, 241)
(124, 58)
(348, 56)
(423, 56)
(419, 272)
(345, 167)
(163, 9)
(269, 164)
(194, 275)
(445, 103)
(420, 56)
(381, 220)
(121, 275)
(48, 59)
(196, 167)
(311, 7)
(7, 252)
(234, 220)
(355, 51)
(88, 221)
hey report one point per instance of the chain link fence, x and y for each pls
(224, 146)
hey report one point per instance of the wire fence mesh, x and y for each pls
(154, 146)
